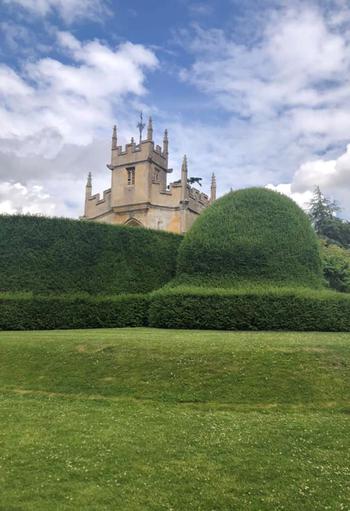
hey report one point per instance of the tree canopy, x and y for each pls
(322, 213)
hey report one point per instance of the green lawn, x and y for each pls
(143, 419)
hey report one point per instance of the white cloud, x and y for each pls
(60, 178)
(18, 198)
(286, 69)
(302, 198)
(77, 99)
(332, 176)
(312, 173)
(69, 10)
(12, 85)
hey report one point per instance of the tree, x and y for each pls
(337, 231)
(321, 211)
(336, 266)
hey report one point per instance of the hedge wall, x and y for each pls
(44, 255)
(215, 309)
(26, 312)
(274, 309)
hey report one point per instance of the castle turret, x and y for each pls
(166, 145)
(213, 188)
(150, 130)
(88, 192)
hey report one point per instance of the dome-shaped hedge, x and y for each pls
(253, 235)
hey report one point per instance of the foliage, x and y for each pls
(27, 312)
(336, 267)
(321, 210)
(150, 420)
(240, 309)
(337, 231)
(67, 256)
(252, 235)
(322, 213)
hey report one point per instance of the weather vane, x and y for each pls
(141, 126)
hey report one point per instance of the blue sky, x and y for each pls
(256, 91)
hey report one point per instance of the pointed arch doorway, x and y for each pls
(133, 222)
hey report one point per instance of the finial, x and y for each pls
(166, 145)
(213, 187)
(114, 138)
(184, 164)
(184, 179)
(88, 195)
(141, 126)
(150, 129)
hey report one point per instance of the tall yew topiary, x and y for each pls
(251, 237)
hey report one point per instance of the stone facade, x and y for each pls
(139, 193)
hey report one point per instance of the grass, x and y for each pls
(143, 419)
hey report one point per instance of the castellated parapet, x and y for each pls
(139, 193)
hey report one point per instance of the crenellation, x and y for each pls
(106, 193)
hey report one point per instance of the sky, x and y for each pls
(257, 91)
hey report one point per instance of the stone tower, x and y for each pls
(139, 193)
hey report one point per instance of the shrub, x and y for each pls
(28, 312)
(56, 255)
(253, 235)
(336, 267)
(229, 309)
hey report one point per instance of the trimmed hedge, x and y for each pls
(26, 312)
(272, 309)
(252, 235)
(215, 309)
(55, 255)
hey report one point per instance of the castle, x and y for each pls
(139, 193)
